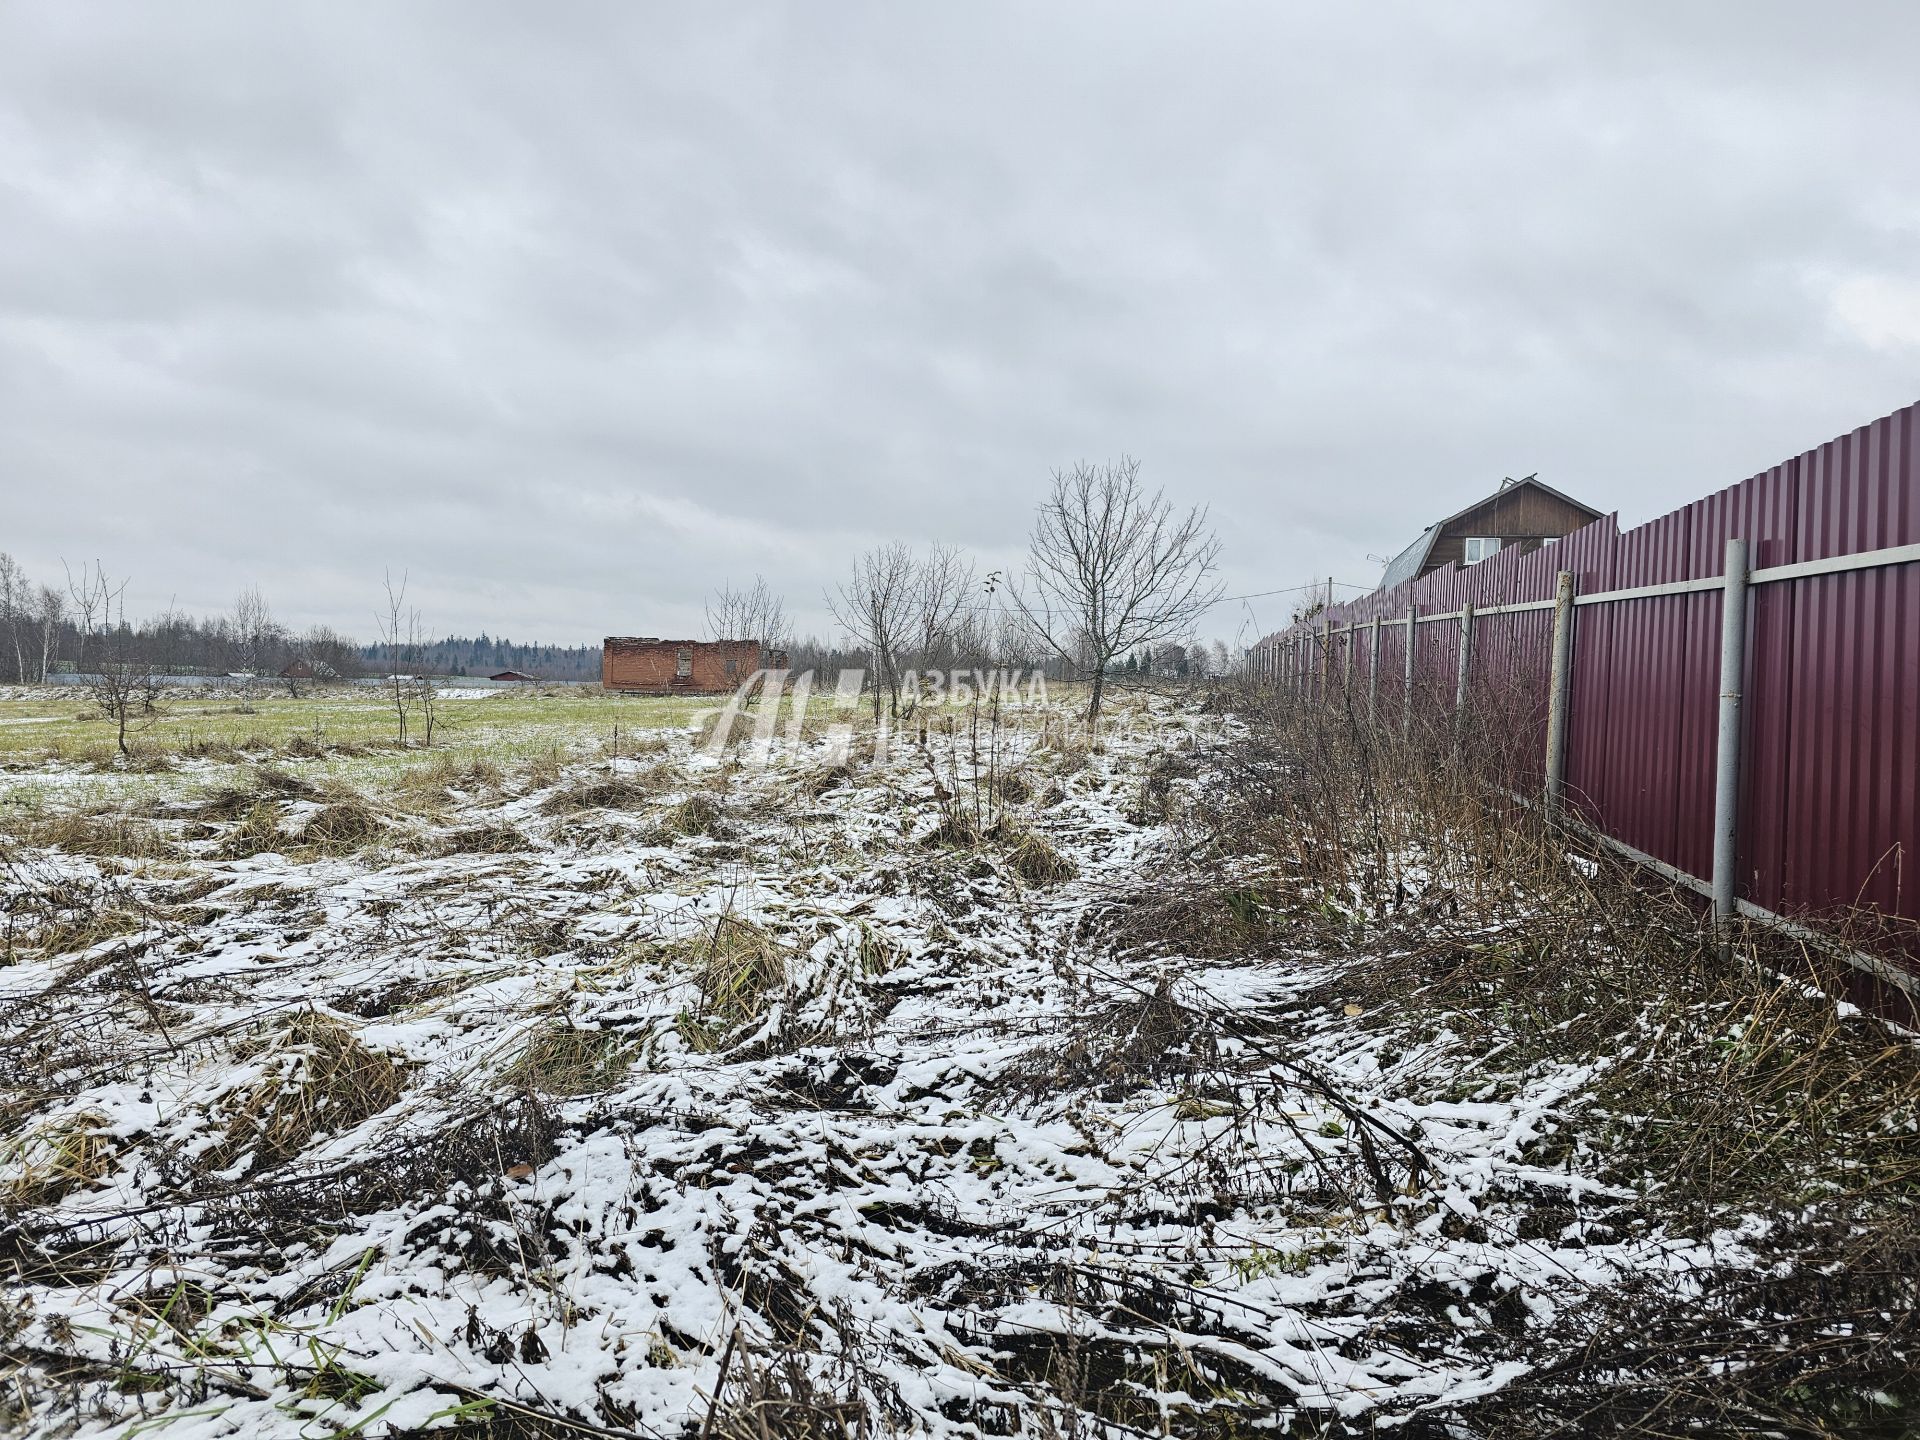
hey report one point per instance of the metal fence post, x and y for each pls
(1352, 630)
(1466, 657)
(1559, 683)
(1726, 781)
(1326, 660)
(1373, 673)
(1413, 632)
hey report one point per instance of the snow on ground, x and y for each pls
(568, 1104)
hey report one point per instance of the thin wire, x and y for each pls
(1250, 595)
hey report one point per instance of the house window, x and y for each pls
(683, 665)
(1481, 547)
(733, 668)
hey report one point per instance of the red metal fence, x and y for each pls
(1829, 722)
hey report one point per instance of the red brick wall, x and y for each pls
(650, 665)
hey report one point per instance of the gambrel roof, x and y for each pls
(1408, 564)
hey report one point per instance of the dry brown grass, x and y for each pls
(102, 835)
(738, 970)
(698, 814)
(560, 1058)
(1725, 1087)
(56, 1158)
(488, 839)
(266, 783)
(603, 790)
(346, 822)
(316, 1078)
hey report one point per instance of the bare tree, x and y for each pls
(254, 632)
(402, 640)
(122, 687)
(14, 593)
(942, 586)
(1111, 567)
(426, 693)
(49, 613)
(753, 613)
(876, 607)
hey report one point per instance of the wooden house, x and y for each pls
(1521, 514)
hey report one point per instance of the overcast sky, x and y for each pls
(573, 311)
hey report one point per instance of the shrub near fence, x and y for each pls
(1807, 748)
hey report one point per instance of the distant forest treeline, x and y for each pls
(77, 625)
(483, 655)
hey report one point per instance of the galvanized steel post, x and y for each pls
(1466, 657)
(1373, 673)
(1726, 780)
(1413, 632)
(1559, 684)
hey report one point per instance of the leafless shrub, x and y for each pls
(123, 686)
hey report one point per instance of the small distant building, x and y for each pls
(1521, 515)
(309, 670)
(646, 665)
(515, 676)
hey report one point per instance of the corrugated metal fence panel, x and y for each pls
(1437, 661)
(1851, 802)
(1830, 812)
(1760, 511)
(1589, 554)
(1636, 780)
(1511, 661)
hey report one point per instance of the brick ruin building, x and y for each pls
(644, 665)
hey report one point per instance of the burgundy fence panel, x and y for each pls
(1638, 774)
(1829, 794)
(1589, 554)
(1851, 822)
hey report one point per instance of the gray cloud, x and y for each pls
(574, 311)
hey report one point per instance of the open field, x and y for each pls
(1009, 1080)
(503, 723)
